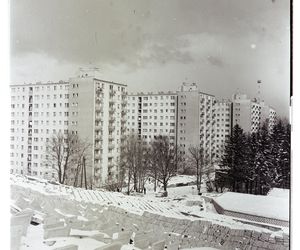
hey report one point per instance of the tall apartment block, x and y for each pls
(93, 109)
(37, 112)
(196, 118)
(222, 127)
(98, 115)
(250, 114)
(152, 114)
(268, 114)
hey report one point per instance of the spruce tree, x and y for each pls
(232, 162)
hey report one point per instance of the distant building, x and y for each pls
(152, 114)
(222, 127)
(101, 113)
(250, 114)
(93, 109)
(37, 112)
(98, 115)
(268, 114)
(196, 118)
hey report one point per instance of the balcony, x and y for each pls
(98, 145)
(112, 92)
(99, 101)
(111, 128)
(98, 137)
(112, 110)
(97, 156)
(98, 126)
(111, 119)
(111, 146)
(98, 116)
(99, 108)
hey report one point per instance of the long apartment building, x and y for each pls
(93, 109)
(102, 113)
(152, 114)
(249, 114)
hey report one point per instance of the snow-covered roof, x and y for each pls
(280, 193)
(259, 205)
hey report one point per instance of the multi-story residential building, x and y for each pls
(152, 114)
(268, 114)
(98, 115)
(93, 109)
(222, 126)
(196, 119)
(101, 114)
(37, 112)
(250, 114)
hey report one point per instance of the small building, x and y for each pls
(258, 208)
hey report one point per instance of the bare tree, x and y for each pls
(165, 160)
(79, 163)
(64, 152)
(197, 160)
(133, 157)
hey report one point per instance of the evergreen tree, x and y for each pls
(263, 161)
(233, 161)
(280, 138)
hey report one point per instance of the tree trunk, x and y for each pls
(128, 185)
(200, 180)
(197, 181)
(155, 179)
(85, 182)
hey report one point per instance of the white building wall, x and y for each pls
(222, 127)
(152, 114)
(250, 114)
(196, 120)
(99, 120)
(40, 111)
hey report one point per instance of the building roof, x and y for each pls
(37, 83)
(258, 205)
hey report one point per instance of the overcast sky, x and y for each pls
(223, 45)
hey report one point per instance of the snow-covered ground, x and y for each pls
(182, 203)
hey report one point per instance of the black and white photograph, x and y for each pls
(162, 124)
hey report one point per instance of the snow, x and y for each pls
(201, 248)
(182, 203)
(259, 205)
(182, 179)
(280, 193)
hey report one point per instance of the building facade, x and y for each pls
(98, 116)
(101, 113)
(222, 127)
(250, 114)
(93, 109)
(37, 112)
(152, 114)
(196, 120)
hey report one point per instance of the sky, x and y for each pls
(222, 45)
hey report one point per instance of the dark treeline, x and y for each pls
(255, 163)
